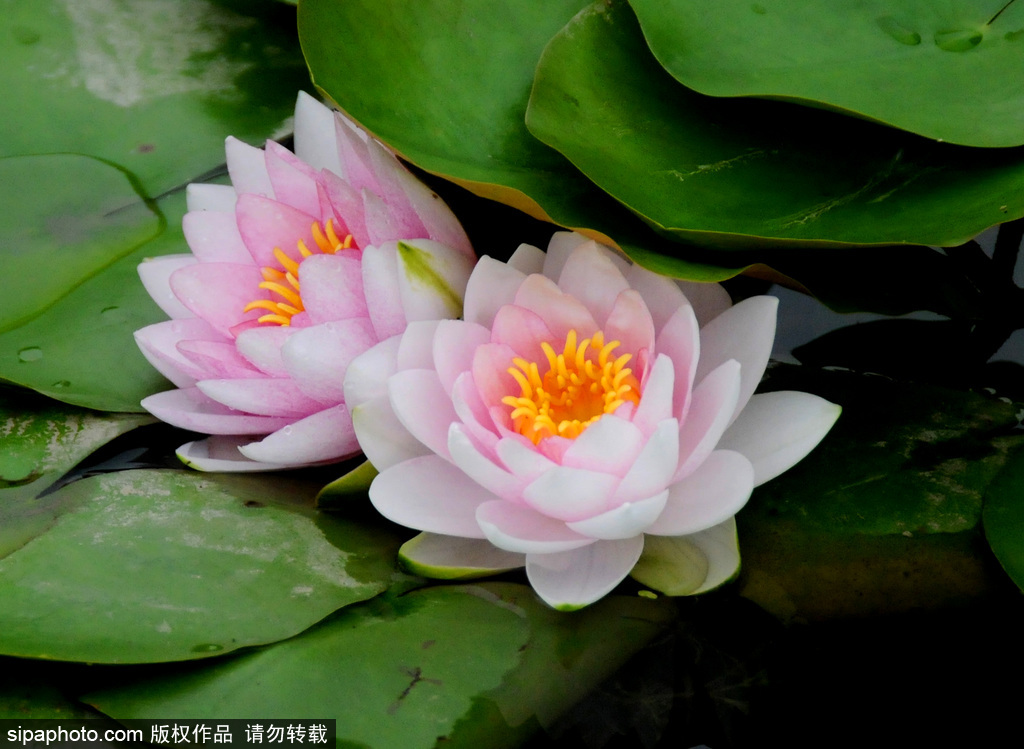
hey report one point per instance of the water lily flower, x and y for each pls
(303, 263)
(587, 419)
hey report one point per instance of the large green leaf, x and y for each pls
(80, 349)
(168, 565)
(447, 84)
(742, 173)
(151, 85)
(471, 666)
(1004, 517)
(945, 70)
(885, 514)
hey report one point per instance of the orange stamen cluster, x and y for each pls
(283, 282)
(582, 384)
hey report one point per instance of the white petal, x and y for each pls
(776, 430)
(423, 407)
(484, 471)
(219, 454)
(654, 467)
(416, 350)
(491, 285)
(317, 357)
(712, 494)
(432, 279)
(248, 168)
(527, 259)
(590, 275)
(662, 295)
(609, 445)
(744, 333)
(680, 340)
(571, 493)
(367, 374)
(522, 458)
(380, 284)
(430, 494)
(688, 565)
(382, 437)
(625, 521)
(560, 247)
(454, 343)
(711, 409)
(519, 529)
(656, 401)
(325, 436)
(709, 300)
(207, 197)
(574, 579)
(155, 274)
(456, 558)
(315, 141)
(262, 347)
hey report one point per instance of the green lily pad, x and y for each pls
(65, 218)
(428, 82)
(885, 514)
(80, 350)
(480, 665)
(1004, 518)
(744, 173)
(942, 70)
(151, 86)
(215, 563)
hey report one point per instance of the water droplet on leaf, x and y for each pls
(207, 647)
(31, 353)
(958, 40)
(898, 31)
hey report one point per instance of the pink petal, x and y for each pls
(219, 454)
(680, 340)
(383, 439)
(217, 359)
(261, 346)
(630, 323)
(654, 467)
(471, 411)
(430, 494)
(423, 407)
(628, 520)
(264, 396)
(561, 312)
(714, 492)
(159, 344)
(189, 409)
(454, 343)
(776, 430)
(571, 494)
(491, 363)
(315, 141)
(416, 350)
(609, 445)
(214, 238)
(318, 357)
(385, 223)
(247, 168)
(561, 245)
(347, 205)
(354, 155)
(708, 300)
(744, 333)
(390, 189)
(266, 225)
(661, 295)
(524, 331)
(437, 218)
(200, 196)
(516, 528)
(591, 277)
(218, 292)
(468, 457)
(332, 287)
(574, 579)
(380, 285)
(294, 182)
(491, 286)
(325, 436)
(656, 399)
(714, 401)
(155, 274)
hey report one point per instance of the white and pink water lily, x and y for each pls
(303, 263)
(588, 419)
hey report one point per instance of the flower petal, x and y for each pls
(188, 408)
(484, 471)
(381, 285)
(523, 331)
(609, 445)
(776, 430)
(656, 401)
(455, 558)
(332, 287)
(218, 292)
(261, 345)
(432, 279)
(155, 274)
(688, 565)
(323, 437)
(217, 359)
(423, 407)
(437, 218)
(527, 259)
(491, 285)
(591, 277)
(264, 396)
(522, 458)
(630, 323)
(317, 357)
(713, 404)
(708, 300)
(625, 521)
(454, 343)
(294, 181)
(367, 375)
(159, 344)
(382, 437)
(710, 495)
(430, 494)
(661, 295)
(315, 140)
(561, 245)
(219, 454)
(574, 579)
(202, 196)
(524, 531)
(266, 225)
(680, 340)
(571, 493)
(247, 168)
(213, 237)
(654, 467)
(561, 312)
(744, 333)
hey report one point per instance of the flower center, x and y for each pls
(582, 384)
(283, 282)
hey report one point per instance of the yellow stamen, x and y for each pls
(283, 282)
(581, 384)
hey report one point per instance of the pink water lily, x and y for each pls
(587, 419)
(306, 261)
